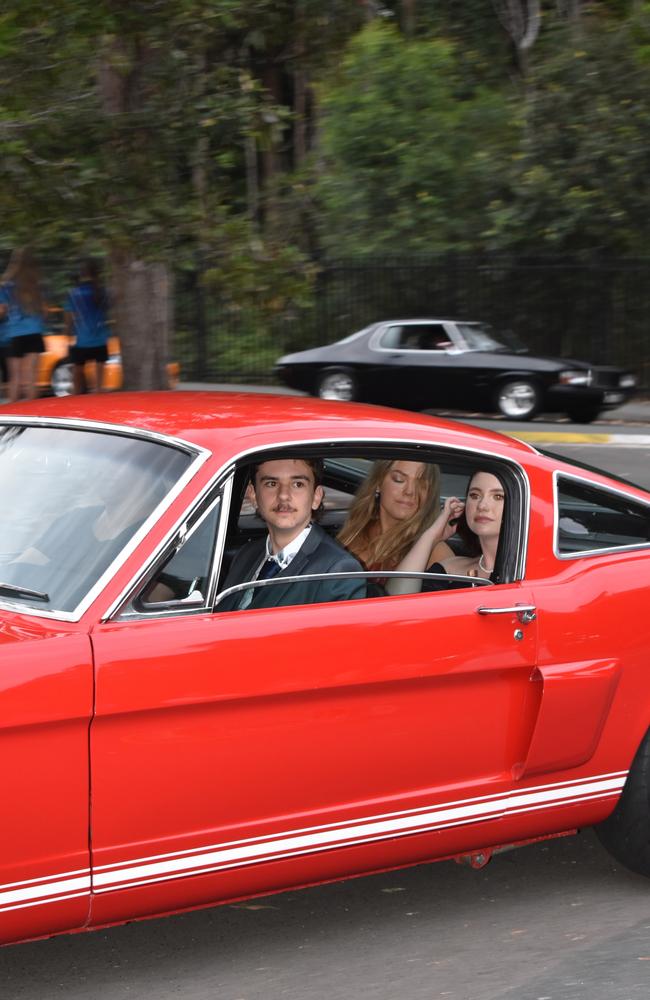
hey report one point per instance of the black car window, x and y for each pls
(415, 337)
(590, 519)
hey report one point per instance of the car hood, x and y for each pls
(299, 357)
(17, 628)
(531, 362)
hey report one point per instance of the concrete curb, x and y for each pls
(572, 437)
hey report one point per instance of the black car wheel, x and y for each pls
(583, 414)
(61, 379)
(517, 399)
(338, 383)
(626, 833)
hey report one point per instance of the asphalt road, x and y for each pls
(553, 921)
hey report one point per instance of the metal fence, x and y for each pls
(595, 310)
(599, 311)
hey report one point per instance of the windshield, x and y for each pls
(71, 501)
(478, 338)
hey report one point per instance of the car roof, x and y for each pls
(234, 422)
(430, 319)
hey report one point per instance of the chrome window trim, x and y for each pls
(473, 583)
(227, 471)
(223, 493)
(102, 426)
(201, 455)
(616, 491)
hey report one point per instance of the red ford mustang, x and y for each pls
(162, 753)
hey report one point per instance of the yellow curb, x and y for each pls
(560, 437)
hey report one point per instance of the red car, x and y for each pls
(161, 753)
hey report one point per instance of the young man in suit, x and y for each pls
(288, 494)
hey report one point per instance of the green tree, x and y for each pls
(412, 156)
(578, 184)
(138, 128)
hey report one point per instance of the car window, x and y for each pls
(181, 579)
(415, 337)
(73, 500)
(590, 519)
(346, 473)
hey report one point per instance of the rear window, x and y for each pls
(590, 519)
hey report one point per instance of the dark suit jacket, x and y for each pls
(318, 554)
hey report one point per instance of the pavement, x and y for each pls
(626, 425)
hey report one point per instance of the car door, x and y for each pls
(238, 752)
(46, 694)
(414, 364)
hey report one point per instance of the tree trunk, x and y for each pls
(142, 311)
(408, 18)
(141, 289)
(522, 20)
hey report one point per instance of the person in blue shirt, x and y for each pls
(86, 319)
(4, 367)
(21, 317)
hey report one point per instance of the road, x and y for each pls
(553, 921)
(558, 920)
(621, 448)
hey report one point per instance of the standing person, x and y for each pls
(86, 319)
(396, 502)
(4, 368)
(21, 308)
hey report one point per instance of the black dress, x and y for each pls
(428, 586)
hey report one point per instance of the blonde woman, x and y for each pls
(21, 308)
(394, 505)
(478, 521)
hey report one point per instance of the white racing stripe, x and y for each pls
(43, 890)
(295, 843)
(311, 840)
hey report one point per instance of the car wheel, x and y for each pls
(583, 414)
(61, 379)
(626, 833)
(338, 384)
(518, 399)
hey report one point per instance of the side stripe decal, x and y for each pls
(310, 840)
(372, 828)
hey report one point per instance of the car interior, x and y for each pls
(184, 575)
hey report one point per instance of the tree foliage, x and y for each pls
(413, 156)
(249, 139)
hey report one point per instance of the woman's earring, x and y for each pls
(377, 496)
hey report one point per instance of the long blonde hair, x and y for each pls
(386, 549)
(22, 269)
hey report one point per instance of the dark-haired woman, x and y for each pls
(479, 525)
(21, 309)
(86, 319)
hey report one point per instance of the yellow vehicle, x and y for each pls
(55, 371)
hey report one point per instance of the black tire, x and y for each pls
(583, 414)
(337, 383)
(62, 379)
(626, 833)
(517, 398)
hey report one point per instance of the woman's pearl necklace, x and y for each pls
(481, 565)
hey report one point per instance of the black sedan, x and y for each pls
(422, 364)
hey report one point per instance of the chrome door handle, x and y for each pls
(526, 613)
